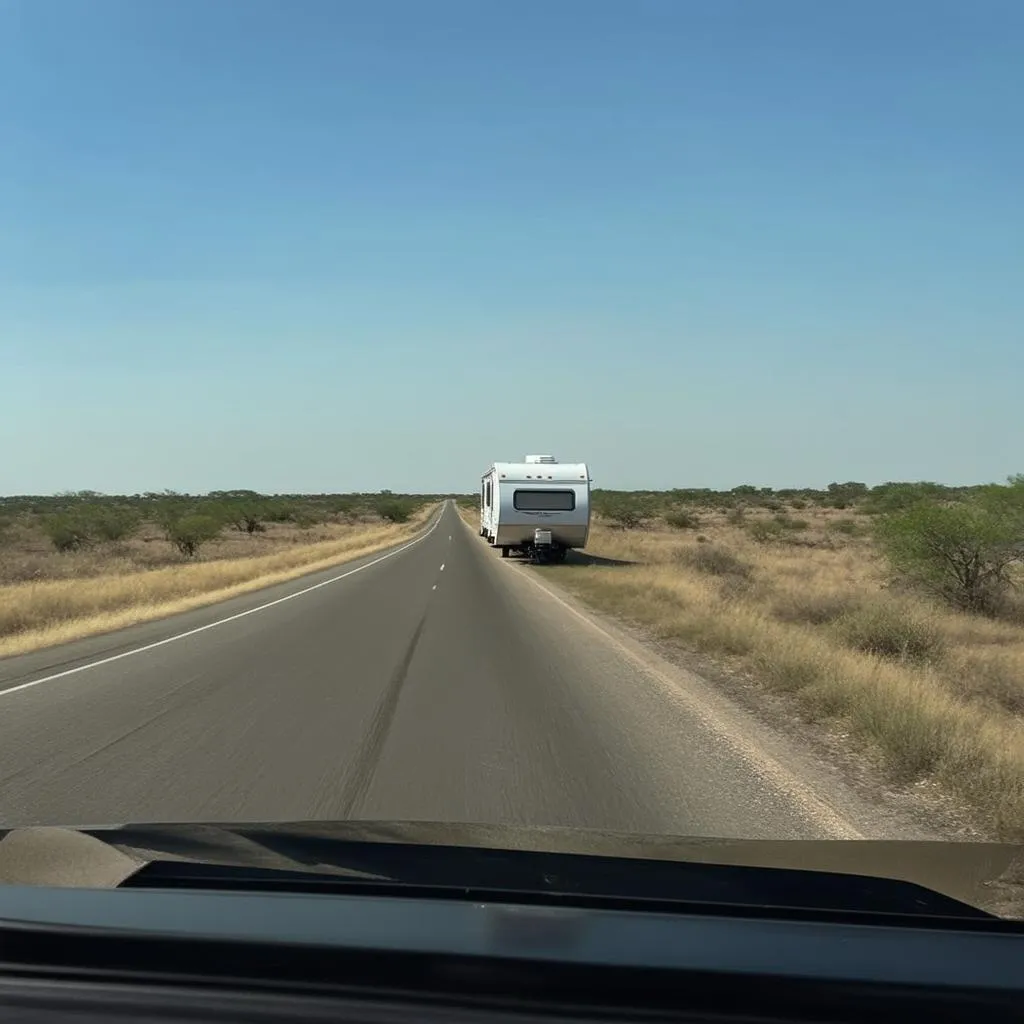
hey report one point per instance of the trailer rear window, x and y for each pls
(544, 501)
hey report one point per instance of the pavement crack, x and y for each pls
(368, 755)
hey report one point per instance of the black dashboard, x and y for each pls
(411, 922)
(167, 955)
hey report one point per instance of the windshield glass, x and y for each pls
(291, 295)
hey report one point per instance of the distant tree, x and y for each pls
(892, 497)
(393, 510)
(67, 532)
(246, 515)
(114, 523)
(960, 551)
(168, 507)
(282, 509)
(627, 511)
(693, 495)
(852, 489)
(189, 532)
(341, 506)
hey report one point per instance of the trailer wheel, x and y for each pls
(558, 555)
(504, 551)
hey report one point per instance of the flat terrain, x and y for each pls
(800, 613)
(62, 596)
(428, 681)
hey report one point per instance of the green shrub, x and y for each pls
(66, 532)
(890, 631)
(845, 495)
(766, 530)
(680, 519)
(897, 497)
(277, 511)
(168, 509)
(114, 524)
(394, 510)
(962, 552)
(246, 517)
(625, 517)
(627, 511)
(189, 532)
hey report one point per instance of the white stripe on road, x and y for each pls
(221, 622)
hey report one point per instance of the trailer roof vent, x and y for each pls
(545, 459)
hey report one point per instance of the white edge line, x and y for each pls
(221, 622)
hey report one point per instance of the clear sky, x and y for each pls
(329, 245)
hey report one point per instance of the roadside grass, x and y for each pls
(40, 614)
(938, 694)
(29, 556)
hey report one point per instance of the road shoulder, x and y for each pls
(843, 792)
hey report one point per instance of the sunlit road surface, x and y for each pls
(437, 682)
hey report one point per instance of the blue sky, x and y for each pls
(329, 245)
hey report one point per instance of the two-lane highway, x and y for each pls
(435, 682)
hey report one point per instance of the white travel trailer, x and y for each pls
(539, 507)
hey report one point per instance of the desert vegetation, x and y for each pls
(80, 563)
(892, 615)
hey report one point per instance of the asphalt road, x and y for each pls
(435, 683)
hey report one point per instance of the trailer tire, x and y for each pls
(504, 551)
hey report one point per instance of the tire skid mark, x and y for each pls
(372, 745)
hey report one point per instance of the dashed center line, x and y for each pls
(442, 567)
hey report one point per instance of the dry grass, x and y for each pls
(27, 555)
(470, 515)
(938, 694)
(40, 614)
